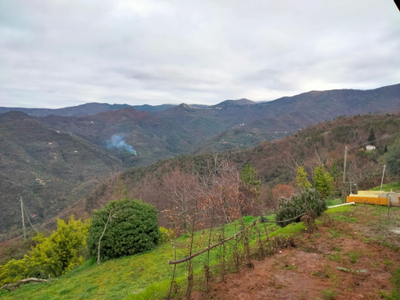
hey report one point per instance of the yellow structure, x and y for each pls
(370, 193)
(375, 197)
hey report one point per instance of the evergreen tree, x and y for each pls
(302, 180)
(334, 171)
(295, 206)
(247, 178)
(371, 137)
(392, 158)
(323, 181)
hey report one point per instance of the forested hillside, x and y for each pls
(152, 138)
(49, 169)
(230, 126)
(275, 162)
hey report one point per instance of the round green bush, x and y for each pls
(132, 228)
(299, 204)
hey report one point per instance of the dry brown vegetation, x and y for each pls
(347, 257)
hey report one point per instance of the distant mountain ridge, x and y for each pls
(347, 98)
(95, 108)
(248, 125)
(84, 109)
(242, 101)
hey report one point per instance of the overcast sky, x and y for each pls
(57, 53)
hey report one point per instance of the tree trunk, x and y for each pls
(99, 246)
(27, 280)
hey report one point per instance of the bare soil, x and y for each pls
(310, 270)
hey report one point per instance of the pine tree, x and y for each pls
(392, 158)
(290, 208)
(371, 138)
(247, 177)
(334, 171)
(323, 181)
(302, 181)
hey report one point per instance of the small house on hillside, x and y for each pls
(370, 147)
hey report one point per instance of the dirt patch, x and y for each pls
(341, 260)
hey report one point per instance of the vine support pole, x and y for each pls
(266, 232)
(207, 266)
(260, 243)
(173, 274)
(223, 252)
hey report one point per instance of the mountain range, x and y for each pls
(54, 157)
(87, 109)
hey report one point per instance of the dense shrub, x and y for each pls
(323, 181)
(62, 250)
(55, 254)
(132, 228)
(298, 204)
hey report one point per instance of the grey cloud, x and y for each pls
(59, 53)
(138, 75)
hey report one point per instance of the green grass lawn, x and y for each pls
(142, 276)
(331, 202)
(395, 186)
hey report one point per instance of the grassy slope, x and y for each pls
(147, 275)
(134, 275)
(393, 186)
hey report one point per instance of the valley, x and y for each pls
(57, 161)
